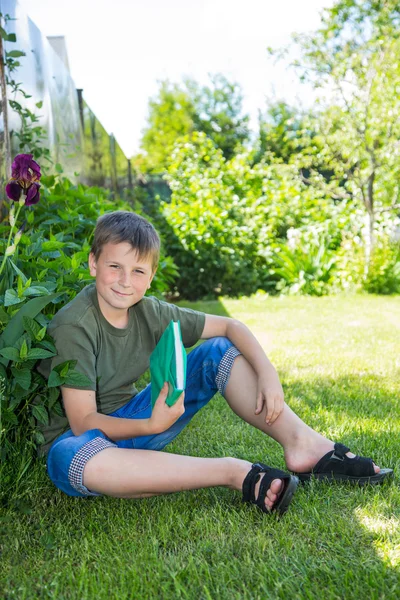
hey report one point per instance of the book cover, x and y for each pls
(168, 363)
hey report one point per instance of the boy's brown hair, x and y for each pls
(124, 226)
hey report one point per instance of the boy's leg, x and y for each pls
(303, 447)
(126, 473)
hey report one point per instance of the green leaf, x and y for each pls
(11, 298)
(23, 377)
(55, 379)
(39, 353)
(48, 180)
(15, 327)
(31, 327)
(11, 354)
(40, 335)
(64, 370)
(20, 287)
(59, 168)
(53, 245)
(13, 403)
(39, 104)
(15, 54)
(11, 37)
(3, 372)
(48, 345)
(4, 317)
(78, 379)
(36, 290)
(54, 393)
(39, 437)
(24, 350)
(9, 417)
(18, 271)
(40, 413)
(58, 409)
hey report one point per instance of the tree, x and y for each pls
(171, 115)
(280, 132)
(180, 109)
(218, 113)
(355, 57)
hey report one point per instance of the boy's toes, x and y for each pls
(273, 493)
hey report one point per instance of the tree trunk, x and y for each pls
(369, 241)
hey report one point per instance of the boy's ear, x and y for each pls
(92, 264)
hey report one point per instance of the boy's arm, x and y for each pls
(268, 385)
(81, 411)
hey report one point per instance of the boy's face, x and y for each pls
(121, 278)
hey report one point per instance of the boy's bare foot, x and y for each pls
(303, 455)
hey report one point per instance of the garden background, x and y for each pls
(295, 230)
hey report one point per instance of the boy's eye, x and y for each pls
(138, 271)
(114, 266)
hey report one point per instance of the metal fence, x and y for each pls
(75, 137)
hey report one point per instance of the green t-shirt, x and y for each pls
(113, 359)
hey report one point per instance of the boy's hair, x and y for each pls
(124, 226)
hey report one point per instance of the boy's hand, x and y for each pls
(163, 416)
(269, 390)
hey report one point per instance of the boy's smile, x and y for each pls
(121, 280)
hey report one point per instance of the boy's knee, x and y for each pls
(217, 345)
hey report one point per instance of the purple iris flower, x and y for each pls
(25, 172)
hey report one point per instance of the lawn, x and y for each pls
(339, 362)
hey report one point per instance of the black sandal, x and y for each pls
(290, 483)
(335, 465)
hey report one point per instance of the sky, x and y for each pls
(119, 50)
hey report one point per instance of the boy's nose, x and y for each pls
(124, 279)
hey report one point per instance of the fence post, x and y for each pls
(130, 183)
(6, 146)
(114, 177)
(79, 91)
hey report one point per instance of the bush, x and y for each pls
(384, 270)
(47, 268)
(228, 223)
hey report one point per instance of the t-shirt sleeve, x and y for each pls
(192, 322)
(73, 343)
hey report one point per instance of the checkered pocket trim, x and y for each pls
(224, 369)
(75, 472)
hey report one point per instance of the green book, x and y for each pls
(168, 363)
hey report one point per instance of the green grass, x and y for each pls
(339, 361)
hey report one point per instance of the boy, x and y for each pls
(112, 446)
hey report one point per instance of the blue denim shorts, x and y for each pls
(208, 369)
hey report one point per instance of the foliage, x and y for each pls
(49, 266)
(179, 110)
(384, 272)
(218, 113)
(306, 267)
(280, 131)
(229, 221)
(171, 115)
(355, 59)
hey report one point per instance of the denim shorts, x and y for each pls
(208, 369)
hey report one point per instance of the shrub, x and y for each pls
(228, 222)
(45, 269)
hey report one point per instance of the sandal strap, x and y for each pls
(336, 461)
(253, 477)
